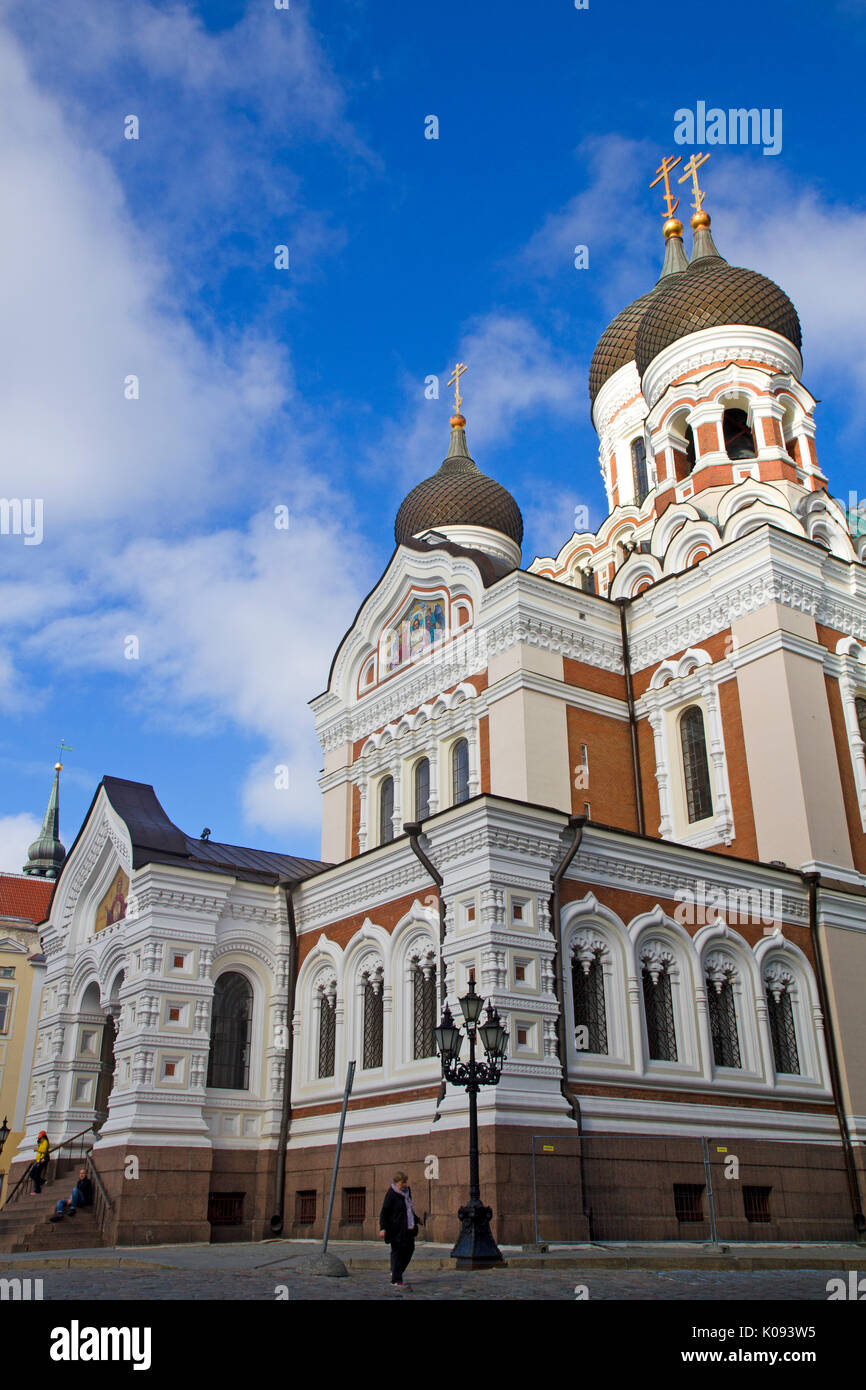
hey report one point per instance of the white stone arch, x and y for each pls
(715, 944)
(744, 494)
(671, 522)
(851, 656)
(414, 944)
(589, 928)
(783, 962)
(677, 669)
(322, 971)
(751, 518)
(687, 539)
(232, 958)
(636, 571)
(659, 942)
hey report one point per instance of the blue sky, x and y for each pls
(305, 388)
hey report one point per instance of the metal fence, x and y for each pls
(645, 1188)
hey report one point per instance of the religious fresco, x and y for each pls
(113, 906)
(422, 626)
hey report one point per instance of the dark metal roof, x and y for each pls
(712, 292)
(156, 839)
(616, 345)
(458, 494)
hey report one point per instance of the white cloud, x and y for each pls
(17, 833)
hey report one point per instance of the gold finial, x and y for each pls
(454, 380)
(699, 218)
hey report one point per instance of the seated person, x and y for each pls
(81, 1196)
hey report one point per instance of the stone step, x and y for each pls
(77, 1232)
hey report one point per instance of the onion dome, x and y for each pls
(616, 346)
(46, 855)
(712, 293)
(458, 494)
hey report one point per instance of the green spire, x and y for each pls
(46, 855)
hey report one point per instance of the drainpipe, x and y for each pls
(413, 829)
(280, 1175)
(622, 604)
(575, 825)
(813, 882)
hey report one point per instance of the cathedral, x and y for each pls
(622, 789)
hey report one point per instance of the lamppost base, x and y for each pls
(476, 1248)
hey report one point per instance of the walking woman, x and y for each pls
(399, 1226)
(39, 1169)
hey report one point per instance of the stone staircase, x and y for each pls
(24, 1224)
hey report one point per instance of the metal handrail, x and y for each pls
(101, 1201)
(66, 1143)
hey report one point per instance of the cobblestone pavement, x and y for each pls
(533, 1285)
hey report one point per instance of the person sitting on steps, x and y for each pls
(81, 1196)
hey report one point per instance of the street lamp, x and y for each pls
(5, 1131)
(475, 1248)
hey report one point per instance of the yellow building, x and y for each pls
(23, 903)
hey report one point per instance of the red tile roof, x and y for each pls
(25, 897)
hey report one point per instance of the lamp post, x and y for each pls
(4, 1132)
(475, 1248)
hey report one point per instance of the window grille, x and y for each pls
(225, 1208)
(230, 1033)
(587, 581)
(589, 1010)
(373, 1023)
(305, 1208)
(723, 1024)
(424, 1011)
(460, 771)
(689, 1201)
(699, 797)
(327, 1033)
(386, 811)
(860, 707)
(354, 1206)
(638, 464)
(783, 1032)
(422, 789)
(659, 1008)
(756, 1201)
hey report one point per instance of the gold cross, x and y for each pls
(664, 172)
(690, 170)
(454, 380)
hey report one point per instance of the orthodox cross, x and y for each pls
(664, 172)
(454, 380)
(690, 171)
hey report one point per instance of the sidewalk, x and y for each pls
(370, 1256)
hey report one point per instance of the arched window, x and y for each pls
(460, 771)
(739, 440)
(422, 789)
(373, 1018)
(230, 1031)
(699, 796)
(638, 466)
(780, 1013)
(424, 1006)
(723, 1016)
(587, 988)
(659, 1010)
(691, 454)
(860, 707)
(327, 1010)
(386, 811)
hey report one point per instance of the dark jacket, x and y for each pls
(85, 1187)
(392, 1217)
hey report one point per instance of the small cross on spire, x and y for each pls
(454, 380)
